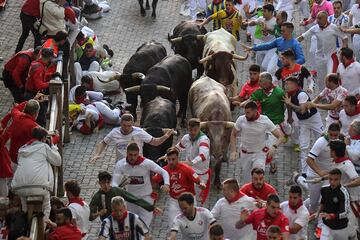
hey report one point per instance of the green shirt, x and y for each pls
(96, 203)
(272, 106)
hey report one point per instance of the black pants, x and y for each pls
(27, 23)
(41, 119)
(16, 92)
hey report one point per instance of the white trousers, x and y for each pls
(312, 125)
(249, 161)
(314, 195)
(4, 189)
(173, 210)
(304, 8)
(356, 46)
(79, 73)
(324, 66)
(194, 5)
(46, 207)
(267, 63)
(111, 117)
(330, 234)
(145, 215)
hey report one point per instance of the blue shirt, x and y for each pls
(281, 44)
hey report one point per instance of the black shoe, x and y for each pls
(109, 100)
(108, 50)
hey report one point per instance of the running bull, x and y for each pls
(218, 59)
(209, 103)
(145, 57)
(157, 116)
(171, 79)
(187, 40)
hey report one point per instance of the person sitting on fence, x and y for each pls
(87, 62)
(34, 174)
(63, 228)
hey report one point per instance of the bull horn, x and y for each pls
(138, 75)
(200, 37)
(133, 89)
(241, 58)
(205, 59)
(162, 88)
(229, 124)
(203, 124)
(175, 40)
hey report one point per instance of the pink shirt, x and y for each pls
(324, 6)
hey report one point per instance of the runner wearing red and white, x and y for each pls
(297, 214)
(349, 70)
(137, 170)
(262, 219)
(252, 129)
(353, 144)
(182, 179)
(197, 147)
(326, 33)
(227, 210)
(350, 113)
(79, 208)
(193, 222)
(330, 98)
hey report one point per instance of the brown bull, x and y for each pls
(209, 103)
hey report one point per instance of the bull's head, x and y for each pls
(219, 134)
(149, 92)
(129, 80)
(189, 46)
(220, 65)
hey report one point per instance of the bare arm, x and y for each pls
(313, 165)
(280, 137)
(172, 235)
(160, 140)
(295, 228)
(353, 183)
(333, 105)
(100, 147)
(233, 152)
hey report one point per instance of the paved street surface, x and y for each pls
(124, 30)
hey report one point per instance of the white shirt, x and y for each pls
(270, 24)
(320, 152)
(196, 229)
(116, 137)
(326, 39)
(301, 217)
(197, 152)
(228, 214)
(92, 95)
(253, 133)
(348, 173)
(139, 174)
(355, 11)
(350, 77)
(284, 5)
(353, 151)
(81, 215)
(346, 120)
(329, 96)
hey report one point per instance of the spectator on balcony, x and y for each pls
(86, 63)
(34, 174)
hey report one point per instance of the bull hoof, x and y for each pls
(147, 7)
(143, 12)
(153, 15)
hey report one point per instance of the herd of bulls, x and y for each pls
(160, 80)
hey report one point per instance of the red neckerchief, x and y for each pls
(341, 159)
(293, 92)
(236, 197)
(326, 25)
(268, 91)
(120, 219)
(349, 62)
(77, 200)
(139, 160)
(356, 112)
(256, 117)
(297, 206)
(356, 137)
(254, 84)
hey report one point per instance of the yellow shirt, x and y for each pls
(230, 23)
(214, 8)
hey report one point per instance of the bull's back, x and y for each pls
(146, 56)
(219, 41)
(159, 112)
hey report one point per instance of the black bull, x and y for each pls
(146, 56)
(187, 40)
(157, 115)
(171, 79)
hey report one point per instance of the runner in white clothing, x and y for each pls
(325, 54)
(349, 71)
(227, 210)
(353, 144)
(136, 171)
(333, 95)
(197, 147)
(194, 222)
(297, 214)
(350, 113)
(252, 128)
(126, 134)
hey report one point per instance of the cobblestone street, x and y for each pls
(124, 30)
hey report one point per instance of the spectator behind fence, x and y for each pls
(34, 174)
